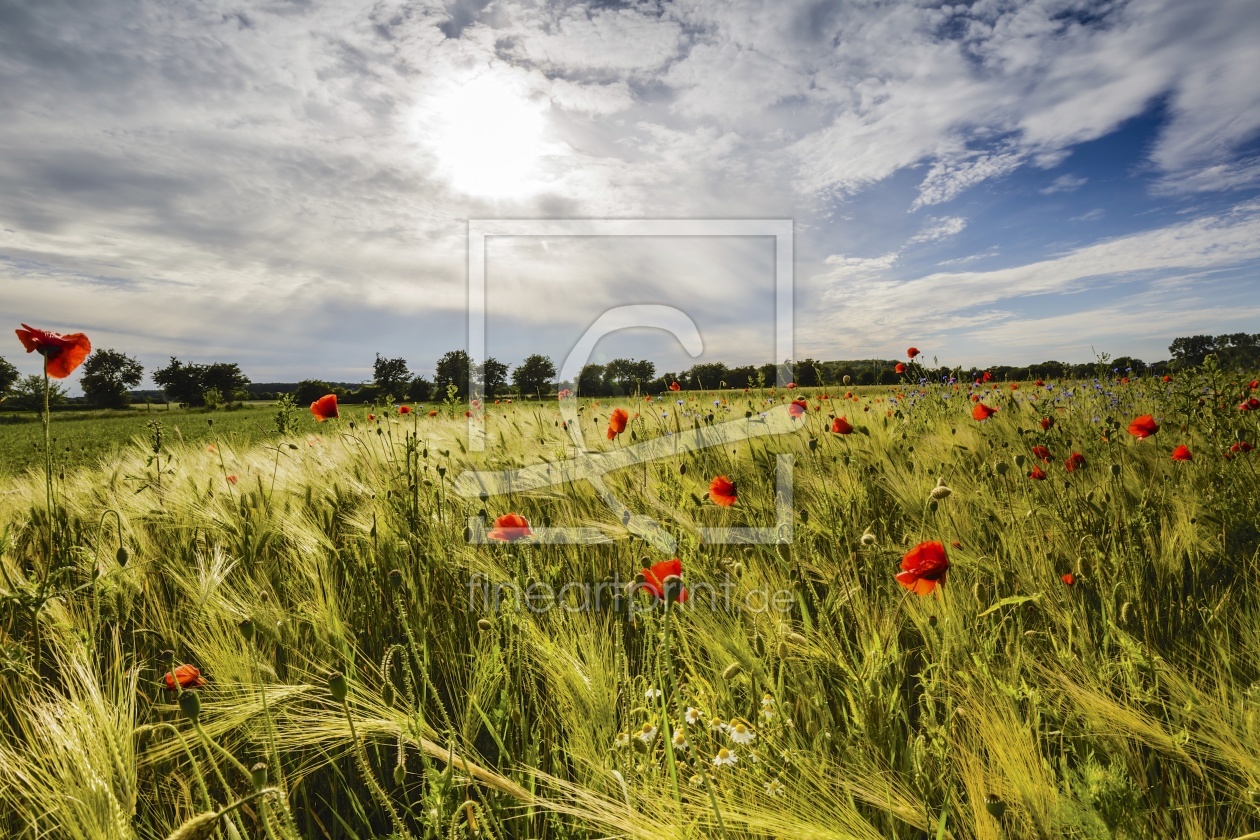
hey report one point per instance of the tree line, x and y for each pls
(109, 376)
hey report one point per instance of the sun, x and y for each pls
(487, 134)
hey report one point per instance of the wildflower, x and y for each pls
(774, 787)
(767, 702)
(841, 426)
(1166, 378)
(187, 676)
(1046, 423)
(724, 758)
(1042, 453)
(1037, 474)
(693, 716)
(1074, 462)
(1241, 446)
(62, 353)
(741, 734)
(371, 418)
(1143, 427)
(510, 527)
(231, 479)
(722, 491)
(912, 352)
(622, 740)
(1182, 453)
(655, 576)
(647, 734)
(791, 385)
(1249, 405)
(652, 694)
(564, 393)
(1254, 384)
(404, 409)
(797, 408)
(674, 386)
(325, 408)
(718, 725)
(617, 422)
(1068, 579)
(900, 368)
(680, 741)
(987, 376)
(923, 567)
(433, 413)
(982, 411)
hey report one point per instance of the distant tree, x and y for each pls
(623, 376)
(534, 375)
(1129, 366)
(28, 394)
(227, 379)
(452, 369)
(309, 390)
(493, 377)
(1190, 351)
(591, 381)
(806, 373)
(107, 376)
(8, 377)
(419, 390)
(182, 383)
(707, 376)
(391, 376)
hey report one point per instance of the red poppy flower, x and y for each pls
(476, 403)
(791, 385)
(1254, 384)
(1037, 474)
(371, 418)
(1143, 427)
(510, 527)
(654, 578)
(1167, 378)
(1040, 383)
(1124, 380)
(1014, 386)
(912, 352)
(231, 479)
(433, 413)
(900, 368)
(674, 386)
(186, 675)
(62, 353)
(1046, 423)
(404, 409)
(617, 422)
(987, 376)
(722, 491)
(1249, 405)
(1074, 462)
(923, 567)
(1241, 446)
(797, 407)
(468, 414)
(1182, 453)
(1069, 579)
(325, 408)
(841, 426)
(496, 402)
(982, 411)
(1042, 453)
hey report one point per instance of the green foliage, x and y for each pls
(590, 381)
(419, 390)
(391, 377)
(287, 413)
(310, 390)
(8, 377)
(493, 377)
(107, 376)
(534, 375)
(453, 369)
(28, 394)
(188, 383)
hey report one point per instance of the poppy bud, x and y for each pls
(804, 517)
(797, 639)
(1002, 467)
(247, 629)
(484, 624)
(387, 693)
(190, 705)
(1019, 460)
(783, 650)
(121, 556)
(812, 444)
(995, 806)
(940, 492)
(682, 469)
(258, 775)
(672, 585)
(395, 579)
(337, 686)
(167, 657)
(645, 562)
(732, 671)
(931, 621)
(847, 379)
(1115, 469)
(400, 773)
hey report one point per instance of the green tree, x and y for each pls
(309, 390)
(107, 375)
(8, 376)
(453, 369)
(227, 379)
(182, 383)
(391, 376)
(591, 381)
(1190, 351)
(28, 394)
(493, 376)
(419, 389)
(534, 375)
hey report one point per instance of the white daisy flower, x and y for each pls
(767, 702)
(741, 734)
(724, 757)
(647, 734)
(718, 725)
(652, 694)
(775, 788)
(680, 741)
(623, 739)
(693, 716)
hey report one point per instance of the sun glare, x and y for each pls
(488, 136)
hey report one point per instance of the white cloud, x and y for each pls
(939, 229)
(1064, 183)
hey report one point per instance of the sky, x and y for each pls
(288, 184)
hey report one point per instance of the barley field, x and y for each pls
(1041, 624)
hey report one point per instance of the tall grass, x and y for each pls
(1007, 704)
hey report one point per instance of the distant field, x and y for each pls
(83, 438)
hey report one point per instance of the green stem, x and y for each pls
(370, 778)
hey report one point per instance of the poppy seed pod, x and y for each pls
(190, 705)
(167, 657)
(258, 775)
(672, 587)
(337, 686)
(395, 578)
(247, 629)
(121, 556)
(995, 806)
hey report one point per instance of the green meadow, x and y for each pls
(1087, 667)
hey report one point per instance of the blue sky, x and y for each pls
(287, 185)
